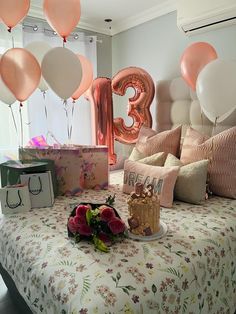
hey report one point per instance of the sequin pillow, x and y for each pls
(150, 142)
(220, 150)
(137, 172)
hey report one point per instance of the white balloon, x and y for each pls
(6, 95)
(62, 70)
(216, 89)
(39, 49)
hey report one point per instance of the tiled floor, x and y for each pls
(6, 304)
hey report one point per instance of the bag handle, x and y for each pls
(35, 191)
(13, 206)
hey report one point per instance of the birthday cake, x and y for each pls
(144, 211)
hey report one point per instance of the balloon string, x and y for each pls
(67, 117)
(72, 116)
(21, 125)
(14, 120)
(13, 43)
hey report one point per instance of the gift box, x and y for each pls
(40, 188)
(78, 167)
(15, 199)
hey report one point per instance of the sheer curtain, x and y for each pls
(9, 138)
(56, 123)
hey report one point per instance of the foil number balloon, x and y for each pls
(139, 104)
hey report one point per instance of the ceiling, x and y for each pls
(124, 13)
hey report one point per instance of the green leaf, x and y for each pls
(110, 200)
(113, 278)
(118, 276)
(130, 288)
(89, 216)
(125, 290)
(154, 289)
(173, 271)
(77, 238)
(86, 286)
(100, 245)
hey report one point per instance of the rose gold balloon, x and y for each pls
(139, 104)
(100, 97)
(194, 59)
(62, 15)
(87, 77)
(20, 72)
(13, 11)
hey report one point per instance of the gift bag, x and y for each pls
(40, 188)
(15, 199)
(12, 169)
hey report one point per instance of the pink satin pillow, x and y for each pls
(146, 174)
(221, 152)
(150, 142)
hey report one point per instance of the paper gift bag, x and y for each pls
(40, 188)
(15, 199)
(12, 169)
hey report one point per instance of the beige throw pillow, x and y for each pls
(136, 155)
(157, 159)
(190, 186)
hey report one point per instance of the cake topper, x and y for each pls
(140, 192)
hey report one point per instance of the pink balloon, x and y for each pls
(87, 77)
(62, 15)
(139, 104)
(13, 11)
(100, 97)
(193, 60)
(20, 72)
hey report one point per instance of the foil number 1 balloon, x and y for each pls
(139, 104)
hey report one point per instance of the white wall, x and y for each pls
(157, 47)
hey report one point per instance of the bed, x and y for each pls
(190, 270)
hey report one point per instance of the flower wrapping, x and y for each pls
(98, 223)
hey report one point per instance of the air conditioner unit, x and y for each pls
(194, 16)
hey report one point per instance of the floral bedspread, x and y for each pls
(191, 270)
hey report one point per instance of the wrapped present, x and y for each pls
(78, 167)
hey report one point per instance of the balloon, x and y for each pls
(139, 104)
(216, 89)
(39, 49)
(13, 11)
(87, 77)
(20, 72)
(62, 15)
(193, 60)
(100, 97)
(6, 95)
(62, 71)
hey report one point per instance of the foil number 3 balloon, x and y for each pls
(139, 104)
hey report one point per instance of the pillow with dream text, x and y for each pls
(146, 174)
(190, 186)
(150, 142)
(220, 150)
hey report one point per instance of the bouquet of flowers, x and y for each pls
(99, 223)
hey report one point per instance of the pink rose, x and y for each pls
(72, 225)
(84, 229)
(116, 225)
(106, 213)
(80, 220)
(103, 237)
(81, 210)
